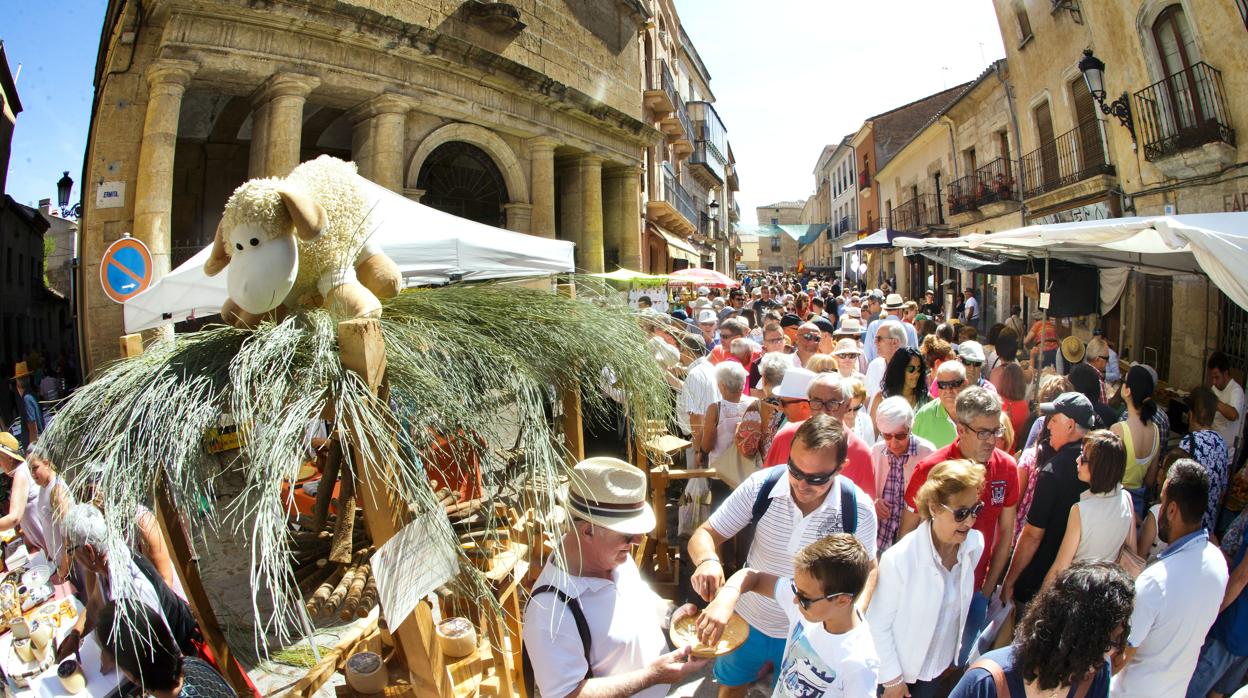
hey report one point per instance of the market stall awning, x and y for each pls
(1215, 244)
(703, 277)
(429, 246)
(635, 277)
(678, 248)
(880, 239)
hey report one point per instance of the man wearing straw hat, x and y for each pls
(32, 417)
(593, 627)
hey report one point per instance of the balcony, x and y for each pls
(735, 213)
(660, 94)
(1072, 157)
(918, 215)
(1183, 124)
(676, 123)
(989, 191)
(864, 183)
(673, 207)
(709, 149)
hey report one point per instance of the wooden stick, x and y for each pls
(464, 508)
(340, 592)
(344, 530)
(369, 598)
(321, 596)
(325, 489)
(352, 601)
(309, 569)
(318, 578)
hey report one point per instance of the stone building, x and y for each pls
(534, 116)
(781, 213)
(10, 107)
(776, 245)
(1182, 69)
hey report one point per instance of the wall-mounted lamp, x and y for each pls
(1093, 70)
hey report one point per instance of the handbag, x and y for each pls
(1003, 688)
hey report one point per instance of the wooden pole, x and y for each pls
(573, 429)
(363, 350)
(188, 569)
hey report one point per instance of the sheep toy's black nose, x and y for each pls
(254, 242)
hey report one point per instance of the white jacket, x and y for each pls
(908, 597)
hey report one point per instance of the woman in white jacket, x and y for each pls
(926, 581)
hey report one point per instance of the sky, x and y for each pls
(805, 73)
(55, 43)
(787, 81)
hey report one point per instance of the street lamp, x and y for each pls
(63, 186)
(1093, 70)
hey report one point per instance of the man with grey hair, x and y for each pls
(893, 460)
(1058, 488)
(108, 577)
(828, 395)
(889, 337)
(935, 420)
(730, 330)
(978, 428)
(771, 370)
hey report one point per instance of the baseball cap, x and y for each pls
(1074, 405)
(971, 351)
(708, 316)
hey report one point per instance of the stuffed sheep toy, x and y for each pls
(298, 242)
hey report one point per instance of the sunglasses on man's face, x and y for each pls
(815, 480)
(951, 385)
(808, 602)
(810, 336)
(972, 364)
(963, 513)
(899, 436)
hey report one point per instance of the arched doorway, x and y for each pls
(463, 180)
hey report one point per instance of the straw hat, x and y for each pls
(1073, 349)
(796, 381)
(850, 327)
(10, 447)
(894, 302)
(847, 347)
(21, 371)
(610, 493)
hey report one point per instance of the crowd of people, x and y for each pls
(902, 506)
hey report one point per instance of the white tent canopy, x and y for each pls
(1215, 244)
(429, 246)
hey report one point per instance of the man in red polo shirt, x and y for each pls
(978, 427)
(828, 396)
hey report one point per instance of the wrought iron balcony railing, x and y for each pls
(1185, 110)
(675, 194)
(990, 183)
(917, 214)
(1074, 156)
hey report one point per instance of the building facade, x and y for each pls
(536, 117)
(1181, 67)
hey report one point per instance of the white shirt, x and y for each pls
(699, 392)
(819, 663)
(1104, 521)
(781, 533)
(623, 615)
(875, 376)
(970, 309)
(1176, 602)
(905, 613)
(1233, 395)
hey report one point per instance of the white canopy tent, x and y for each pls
(429, 246)
(1215, 244)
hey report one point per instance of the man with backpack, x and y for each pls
(790, 507)
(593, 626)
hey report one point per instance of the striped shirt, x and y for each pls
(782, 533)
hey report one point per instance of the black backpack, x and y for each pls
(582, 628)
(849, 501)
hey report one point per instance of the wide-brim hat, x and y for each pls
(850, 327)
(1073, 349)
(847, 347)
(610, 493)
(894, 302)
(10, 447)
(21, 371)
(795, 384)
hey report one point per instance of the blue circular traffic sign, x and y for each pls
(125, 269)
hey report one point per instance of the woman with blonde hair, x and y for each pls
(926, 581)
(821, 363)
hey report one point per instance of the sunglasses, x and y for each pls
(808, 602)
(829, 405)
(963, 513)
(815, 480)
(972, 364)
(951, 385)
(986, 434)
(913, 369)
(810, 336)
(899, 436)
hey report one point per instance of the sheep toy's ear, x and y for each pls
(308, 216)
(217, 259)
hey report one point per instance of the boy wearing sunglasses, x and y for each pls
(829, 650)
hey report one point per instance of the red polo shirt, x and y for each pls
(857, 457)
(1000, 491)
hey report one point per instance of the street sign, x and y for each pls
(125, 269)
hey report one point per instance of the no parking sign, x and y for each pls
(125, 269)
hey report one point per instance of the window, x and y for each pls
(969, 161)
(775, 221)
(1024, 25)
(775, 243)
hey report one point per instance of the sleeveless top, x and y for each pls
(730, 414)
(1104, 521)
(32, 526)
(52, 531)
(1133, 477)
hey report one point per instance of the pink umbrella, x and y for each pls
(703, 277)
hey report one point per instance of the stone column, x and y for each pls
(571, 227)
(590, 253)
(519, 217)
(624, 185)
(612, 215)
(542, 185)
(281, 99)
(379, 139)
(259, 141)
(153, 195)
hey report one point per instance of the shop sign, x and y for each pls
(1098, 211)
(1235, 201)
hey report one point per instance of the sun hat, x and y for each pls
(847, 347)
(1077, 406)
(850, 327)
(757, 292)
(610, 493)
(708, 316)
(971, 351)
(704, 291)
(854, 312)
(796, 381)
(21, 371)
(894, 302)
(10, 447)
(1073, 349)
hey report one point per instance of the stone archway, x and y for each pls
(461, 179)
(498, 150)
